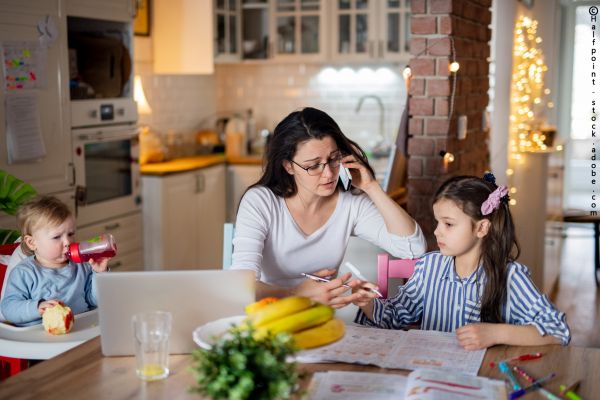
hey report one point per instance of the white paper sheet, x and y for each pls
(23, 134)
(349, 385)
(398, 349)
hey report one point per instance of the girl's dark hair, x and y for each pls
(298, 127)
(498, 247)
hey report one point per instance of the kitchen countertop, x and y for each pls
(190, 163)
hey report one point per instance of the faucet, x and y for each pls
(381, 111)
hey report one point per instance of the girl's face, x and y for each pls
(50, 243)
(308, 174)
(456, 233)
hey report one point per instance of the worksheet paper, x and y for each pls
(23, 133)
(420, 384)
(398, 349)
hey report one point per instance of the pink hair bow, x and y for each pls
(493, 200)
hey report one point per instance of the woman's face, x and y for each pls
(309, 176)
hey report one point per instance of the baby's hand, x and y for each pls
(100, 265)
(44, 305)
(364, 294)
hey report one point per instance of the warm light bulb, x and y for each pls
(510, 171)
(454, 66)
(407, 73)
(139, 96)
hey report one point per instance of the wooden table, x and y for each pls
(83, 373)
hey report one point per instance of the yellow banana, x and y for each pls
(295, 322)
(279, 309)
(326, 333)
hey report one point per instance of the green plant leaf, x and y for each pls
(8, 236)
(13, 193)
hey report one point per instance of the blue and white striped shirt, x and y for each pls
(437, 297)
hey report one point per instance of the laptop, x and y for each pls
(193, 298)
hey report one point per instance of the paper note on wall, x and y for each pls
(24, 65)
(23, 134)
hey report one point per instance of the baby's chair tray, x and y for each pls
(34, 343)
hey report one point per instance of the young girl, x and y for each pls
(47, 277)
(473, 285)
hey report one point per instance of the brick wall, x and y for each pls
(435, 26)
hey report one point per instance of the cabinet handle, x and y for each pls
(381, 48)
(112, 226)
(199, 183)
(73, 177)
(371, 47)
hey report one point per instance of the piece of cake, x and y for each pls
(58, 320)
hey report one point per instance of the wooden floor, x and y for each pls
(578, 295)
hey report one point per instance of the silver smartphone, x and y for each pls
(345, 177)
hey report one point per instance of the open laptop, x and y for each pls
(193, 298)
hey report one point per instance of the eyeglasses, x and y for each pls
(318, 169)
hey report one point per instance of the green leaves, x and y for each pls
(13, 193)
(239, 367)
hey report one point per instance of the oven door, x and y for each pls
(107, 172)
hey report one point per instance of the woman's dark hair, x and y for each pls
(499, 246)
(298, 127)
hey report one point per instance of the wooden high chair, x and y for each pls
(386, 269)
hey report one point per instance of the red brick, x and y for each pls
(437, 126)
(418, 106)
(421, 146)
(439, 47)
(442, 66)
(433, 167)
(415, 126)
(441, 6)
(422, 25)
(441, 107)
(422, 66)
(417, 7)
(417, 87)
(445, 25)
(418, 46)
(438, 87)
(421, 186)
(415, 166)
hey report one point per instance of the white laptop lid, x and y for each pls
(193, 298)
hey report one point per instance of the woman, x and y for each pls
(297, 219)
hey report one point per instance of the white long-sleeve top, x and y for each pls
(268, 241)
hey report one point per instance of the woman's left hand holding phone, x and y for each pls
(361, 177)
(330, 293)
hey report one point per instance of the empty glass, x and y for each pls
(151, 336)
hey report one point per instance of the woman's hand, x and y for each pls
(361, 177)
(44, 305)
(330, 293)
(477, 336)
(100, 265)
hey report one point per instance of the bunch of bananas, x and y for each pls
(310, 324)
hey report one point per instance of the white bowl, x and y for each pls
(208, 334)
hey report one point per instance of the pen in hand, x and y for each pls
(360, 276)
(319, 279)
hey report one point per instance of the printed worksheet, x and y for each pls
(398, 349)
(422, 384)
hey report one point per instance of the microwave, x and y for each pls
(107, 173)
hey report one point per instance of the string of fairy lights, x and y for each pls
(528, 93)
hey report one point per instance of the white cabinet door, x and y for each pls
(113, 10)
(182, 36)
(183, 219)
(51, 173)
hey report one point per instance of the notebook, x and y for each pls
(193, 298)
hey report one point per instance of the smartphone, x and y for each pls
(345, 177)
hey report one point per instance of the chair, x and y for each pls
(228, 231)
(386, 269)
(9, 366)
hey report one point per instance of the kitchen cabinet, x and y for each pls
(184, 215)
(239, 178)
(227, 35)
(52, 172)
(182, 36)
(112, 10)
(127, 231)
(370, 30)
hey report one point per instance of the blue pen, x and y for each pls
(534, 386)
(505, 369)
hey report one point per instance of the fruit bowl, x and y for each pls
(206, 335)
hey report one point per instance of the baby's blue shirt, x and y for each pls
(29, 283)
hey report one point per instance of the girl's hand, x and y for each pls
(329, 293)
(100, 265)
(44, 305)
(365, 295)
(477, 336)
(361, 177)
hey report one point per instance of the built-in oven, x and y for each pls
(105, 155)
